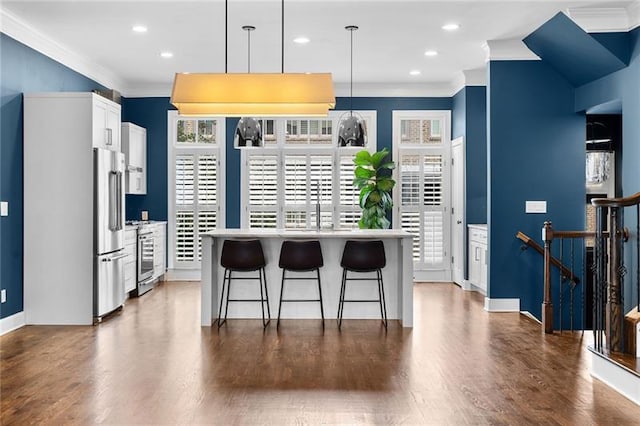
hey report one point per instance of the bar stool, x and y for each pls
(243, 256)
(300, 256)
(363, 256)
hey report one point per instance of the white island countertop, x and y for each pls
(309, 233)
(397, 274)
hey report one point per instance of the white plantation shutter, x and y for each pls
(262, 179)
(185, 236)
(195, 204)
(348, 205)
(422, 201)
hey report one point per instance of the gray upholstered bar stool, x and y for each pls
(363, 256)
(300, 256)
(243, 256)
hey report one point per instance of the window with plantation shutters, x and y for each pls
(283, 182)
(195, 187)
(422, 202)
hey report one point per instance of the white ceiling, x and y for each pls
(391, 41)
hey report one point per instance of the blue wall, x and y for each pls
(151, 113)
(469, 120)
(624, 87)
(535, 152)
(22, 69)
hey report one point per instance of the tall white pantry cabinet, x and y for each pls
(60, 132)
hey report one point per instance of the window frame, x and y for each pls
(196, 149)
(423, 270)
(281, 149)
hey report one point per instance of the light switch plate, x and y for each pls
(535, 207)
(3, 296)
(4, 208)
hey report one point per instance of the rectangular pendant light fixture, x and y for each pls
(265, 95)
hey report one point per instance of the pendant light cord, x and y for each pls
(226, 17)
(282, 41)
(351, 78)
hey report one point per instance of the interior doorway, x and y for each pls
(458, 234)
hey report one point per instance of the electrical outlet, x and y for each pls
(3, 295)
(4, 208)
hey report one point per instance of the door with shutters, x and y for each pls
(195, 186)
(421, 143)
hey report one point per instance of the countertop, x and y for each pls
(148, 222)
(480, 226)
(303, 233)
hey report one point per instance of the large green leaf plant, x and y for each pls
(373, 179)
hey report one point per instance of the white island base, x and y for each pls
(397, 276)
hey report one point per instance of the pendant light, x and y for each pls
(262, 94)
(248, 132)
(352, 130)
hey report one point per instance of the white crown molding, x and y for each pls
(401, 90)
(634, 15)
(26, 34)
(472, 77)
(158, 90)
(601, 20)
(512, 49)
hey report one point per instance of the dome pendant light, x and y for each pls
(352, 130)
(262, 94)
(248, 133)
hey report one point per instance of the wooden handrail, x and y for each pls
(537, 247)
(617, 202)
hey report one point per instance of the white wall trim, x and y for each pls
(12, 322)
(501, 305)
(634, 15)
(512, 49)
(182, 275)
(26, 34)
(601, 19)
(616, 376)
(530, 315)
(472, 77)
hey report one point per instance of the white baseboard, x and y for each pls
(182, 275)
(530, 315)
(617, 377)
(501, 305)
(11, 323)
(466, 285)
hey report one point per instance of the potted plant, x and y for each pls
(373, 179)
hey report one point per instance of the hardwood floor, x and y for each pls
(152, 363)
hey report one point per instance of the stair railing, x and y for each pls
(610, 271)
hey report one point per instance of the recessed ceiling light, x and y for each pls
(450, 27)
(139, 29)
(414, 72)
(166, 54)
(430, 53)
(301, 40)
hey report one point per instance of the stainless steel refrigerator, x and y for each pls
(108, 279)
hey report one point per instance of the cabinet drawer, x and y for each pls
(129, 276)
(130, 236)
(478, 236)
(130, 250)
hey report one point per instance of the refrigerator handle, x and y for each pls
(113, 218)
(120, 204)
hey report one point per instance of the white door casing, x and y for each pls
(458, 211)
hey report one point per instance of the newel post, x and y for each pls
(547, 305)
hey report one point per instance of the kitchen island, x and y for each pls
(397, 275)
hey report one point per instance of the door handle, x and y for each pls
(458, 222)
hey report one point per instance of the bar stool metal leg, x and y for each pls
(221, 302)
(281, 293)
(383, 304)
(263, 298)
(341, 302)
(320, 294)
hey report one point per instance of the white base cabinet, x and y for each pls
(130, 266)
(477, 257)
(159, 250)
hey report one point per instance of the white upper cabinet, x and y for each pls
(134, 147)
(106, 124)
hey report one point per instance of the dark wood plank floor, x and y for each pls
(153, 364)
